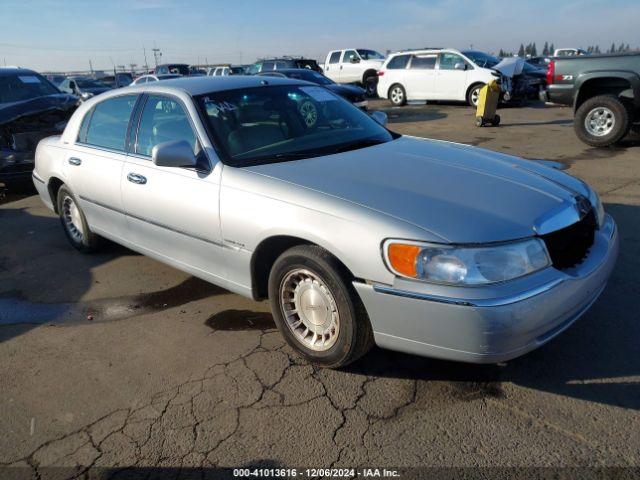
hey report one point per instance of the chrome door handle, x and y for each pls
(74, 161)
(135, 178)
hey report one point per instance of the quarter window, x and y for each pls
(163, 120)
(398, 62)
(109, 122)
(423, 63)
(335, 57)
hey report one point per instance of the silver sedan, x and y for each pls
(278, 189)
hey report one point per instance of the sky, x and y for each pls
(55, 35)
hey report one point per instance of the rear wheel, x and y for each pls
(316, 308)
(74, 222)
(602, 121)
(397, 95)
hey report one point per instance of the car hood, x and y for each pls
(458, 193)
(10, 112)
(348, 91)
(95, 90)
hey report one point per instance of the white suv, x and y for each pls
(354, 65)
(435, 74)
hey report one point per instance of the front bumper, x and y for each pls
(493, 324)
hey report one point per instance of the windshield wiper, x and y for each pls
(366, 142)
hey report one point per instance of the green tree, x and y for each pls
(621, 48)
(597, 49)
(613, 48)
(545, 49)
(552, 49)
(521, 51)
(534, 50)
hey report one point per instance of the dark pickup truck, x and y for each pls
(604, 91)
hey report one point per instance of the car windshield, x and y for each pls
(483, 60)
(310, 76)
(88, 83)
(286, 122)
(24, 86)
(370, 55)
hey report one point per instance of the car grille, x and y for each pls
(570, 245)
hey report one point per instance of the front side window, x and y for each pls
(163, 120)
(162, 70)
(266, 66)
(109, 122)
(426, 62)
(448, 61)
(349, 55)
(398, 62)
(335, 57)
(286, 122)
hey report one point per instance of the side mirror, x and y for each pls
(380, 117)
(354, 60)
(459, 66)
(177, 153)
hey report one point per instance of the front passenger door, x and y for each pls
(172, 212)
(451, 77)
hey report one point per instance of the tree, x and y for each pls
(612, 49)
(627, 48)
(521, 51)
(597, 49)
(545, 49)
(534, 50)
(621, 48)
(552, 49)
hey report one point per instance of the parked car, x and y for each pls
(569, 52)
(604, 91)
(119, 80)
(520, 80)
(55, 79)
(435, 74)
(83, 87)
(356, 95)
(354, 233)
(269, 64)
(167, 68)
(155, 78)
(31, 108)
(354, 65)
(539, 62)
(225, 70)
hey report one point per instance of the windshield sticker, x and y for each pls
(29, 79)
(214, 108)
(319, 94)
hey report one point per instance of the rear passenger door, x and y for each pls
(332, 66)
(94, 164)
(420, 77)
(172, 212)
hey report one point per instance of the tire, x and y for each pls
(370, 85)
(602, 121)
(472, 95)
(496, 121)
(74, 222)
(397, 95)
(308, 285)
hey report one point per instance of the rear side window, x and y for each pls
(335, 57)
(163, 120)
(267, 66)
(109, 121)
(398, 62)
(423, 63)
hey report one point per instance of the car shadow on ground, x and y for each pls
(595, 360)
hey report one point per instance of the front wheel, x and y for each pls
(74, 222)
(316, 309)
(474, 95)
(602, 121)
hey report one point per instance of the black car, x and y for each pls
(354, 94)
(181, 68)
(119, 80)
(31, 108)
(83, 87)
(283, 63)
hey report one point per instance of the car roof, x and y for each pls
(207, 84)
(289, 70)
(419, 51)
(12, 71)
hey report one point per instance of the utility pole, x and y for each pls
(114, 65)
(157, 55)
(133, 67)
(90, 67)
(146, 64)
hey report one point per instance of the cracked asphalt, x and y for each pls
(117, 361)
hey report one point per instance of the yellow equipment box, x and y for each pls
(488, 104)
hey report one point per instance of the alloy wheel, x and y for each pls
(600, 121)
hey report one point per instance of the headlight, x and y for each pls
(594, 198)
(459, 265)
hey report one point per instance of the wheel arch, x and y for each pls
(370, 72)
(610, 83)
(472, 86)
(268, 251)
(53, 186)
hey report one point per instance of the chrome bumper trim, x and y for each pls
(37, 178)
(478, 302)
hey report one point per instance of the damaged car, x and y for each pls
(521, 80)
(31, 108)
